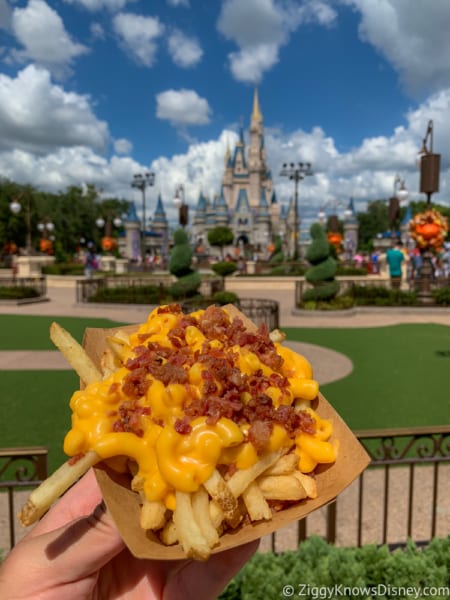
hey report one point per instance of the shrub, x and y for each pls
(372, 571)
(186, 286)
(381, 296)
(124, 294)
(441, 296)
(17, 292)
(322, 272)
(224, 268)
(63, 269)
(224, 297)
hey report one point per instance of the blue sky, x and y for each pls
(94, 91)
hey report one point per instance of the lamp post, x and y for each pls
(15, 208)
(296, 172)
(141, 181)
(183, 208)
(46, 228)
(334, 221)
(430, 164)
(398, 198)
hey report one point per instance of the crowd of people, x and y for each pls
(403, 263)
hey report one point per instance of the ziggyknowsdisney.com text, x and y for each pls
(305, 590)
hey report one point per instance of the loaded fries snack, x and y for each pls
(205, 423)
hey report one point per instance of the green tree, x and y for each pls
(220, 237)
(375, 220)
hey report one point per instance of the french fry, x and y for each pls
(200, 507)
(54, 486)
(285, 464)
(74, 354)
(281, 487)
(153, 514)
(256, 504)
(189, 533)
(308, 482)
(277, 336)
(240, 480)
(221, 493)
(168, 535)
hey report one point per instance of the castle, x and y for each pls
(247, 204)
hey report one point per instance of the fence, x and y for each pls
(37, 283)
(404, 493)
(87, 288)
(345, 284)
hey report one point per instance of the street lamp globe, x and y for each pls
(100, 222)
(15, 207)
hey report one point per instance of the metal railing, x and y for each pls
(345, 285)
(402, 495)
(257, 310)
(37, 283)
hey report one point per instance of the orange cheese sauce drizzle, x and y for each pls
(195, 392)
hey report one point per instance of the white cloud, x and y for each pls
(41, 32)
(412, 36)
(138, 35)
(185, 51)
(123, 146)
(38, 116)
(182, 107)
(271, 26)
(94, 5)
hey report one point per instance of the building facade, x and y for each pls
(247, 202)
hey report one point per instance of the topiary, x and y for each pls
(188, 280)
(321, 274)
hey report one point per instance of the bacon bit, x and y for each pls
(259, 434)
(182, 426)
(74, 459)
(169, 308)
(114, 388)
(142, 337)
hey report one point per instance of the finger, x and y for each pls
(206, 580)
(79, 549)
(79, 501)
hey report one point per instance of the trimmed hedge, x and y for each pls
(145, 294)
(17, 292)
(320, 570)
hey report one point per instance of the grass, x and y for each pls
(400, 374)
(32, 333)
(399, 379)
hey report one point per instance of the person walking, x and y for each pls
(394, 259)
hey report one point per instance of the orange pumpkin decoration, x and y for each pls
(335, 238)
(109, 244)
(46, 246)
(429, 229)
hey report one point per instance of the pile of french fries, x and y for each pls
(198, 518)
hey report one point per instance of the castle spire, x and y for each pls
(256, 114)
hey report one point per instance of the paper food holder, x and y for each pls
(123, 503)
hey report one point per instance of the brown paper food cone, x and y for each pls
(124, 505)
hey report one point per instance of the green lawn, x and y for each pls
(401, 374)
(400, 378)
(32, 333)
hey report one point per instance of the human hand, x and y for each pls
(75, 552)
